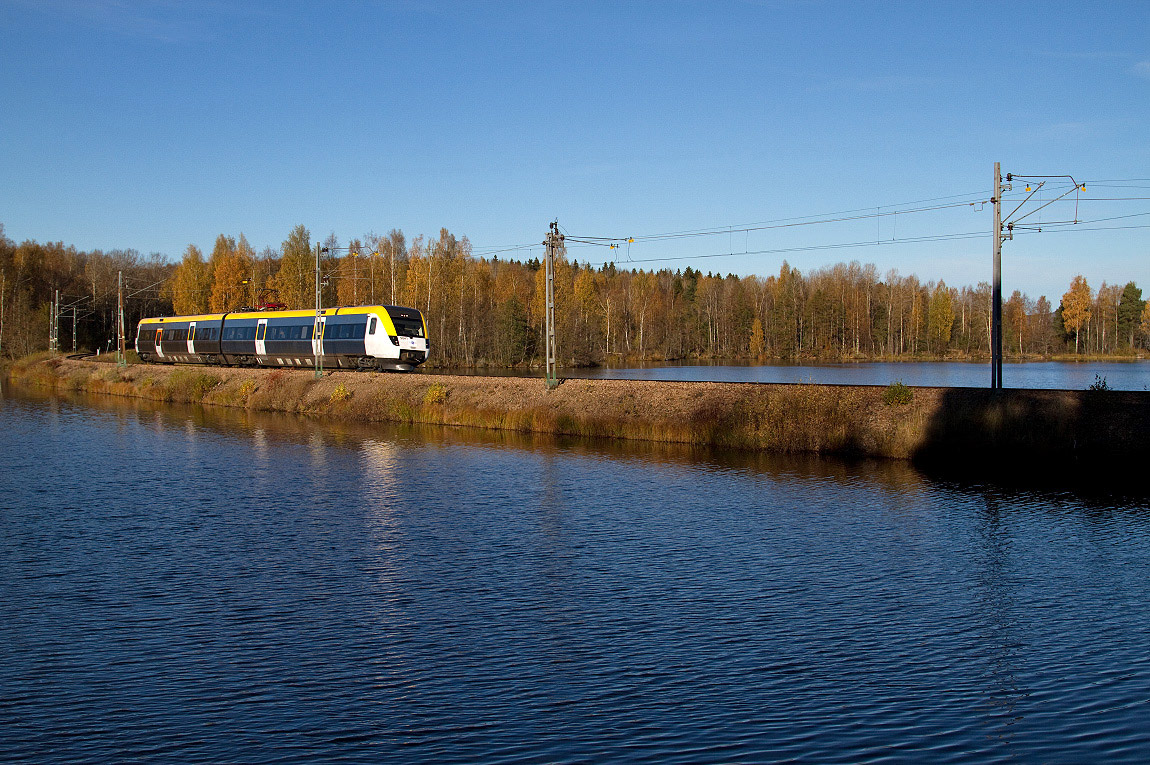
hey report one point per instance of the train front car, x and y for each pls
(400, 343)
(380, 337)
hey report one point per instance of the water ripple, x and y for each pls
(182, 590)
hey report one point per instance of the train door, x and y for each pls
(191, 336)
(159, 338)
(317, 338)
(261, 329)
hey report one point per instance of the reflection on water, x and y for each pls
(187, 584)
(1119, 375)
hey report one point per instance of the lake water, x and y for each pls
(1118, 375)
(203, 586)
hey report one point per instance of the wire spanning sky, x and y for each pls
(152, 125)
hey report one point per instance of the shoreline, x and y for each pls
(1050, 428)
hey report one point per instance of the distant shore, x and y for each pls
(1095, 427)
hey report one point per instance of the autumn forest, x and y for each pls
(489, 311)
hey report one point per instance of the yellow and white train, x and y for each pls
(384, 337)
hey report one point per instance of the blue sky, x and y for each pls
(152, 125)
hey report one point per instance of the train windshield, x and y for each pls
(407, 323)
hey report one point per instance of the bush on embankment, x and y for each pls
(862, 420)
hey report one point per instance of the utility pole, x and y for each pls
(56, 323)
(318, 328)
(3, 287)
(553, 242)
(1006, 231)
(74, 309)
(121, 357)
(391, 254)
(371, 270)
(52, 321)
(1003, 231)
(996, 297)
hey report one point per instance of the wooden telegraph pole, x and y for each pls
(553, 242)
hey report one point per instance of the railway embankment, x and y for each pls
(955, 425)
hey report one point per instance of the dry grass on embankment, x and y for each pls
(858, 420)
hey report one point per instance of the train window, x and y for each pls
(260, 332)
(371, 327)
(410, 327)
(348, 331)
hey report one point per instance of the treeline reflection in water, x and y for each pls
(219, 585)
(1056, 375)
